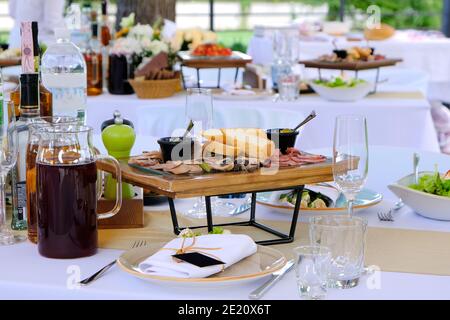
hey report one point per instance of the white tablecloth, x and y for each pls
(393, 122)
(429, 55)
(26, 275)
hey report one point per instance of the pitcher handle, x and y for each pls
(118, 176)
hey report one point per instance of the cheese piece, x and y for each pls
(214, 135)
(219, 149)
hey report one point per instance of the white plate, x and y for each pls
(259, 95)
(365, 199)
(261, 264)
(425, 204)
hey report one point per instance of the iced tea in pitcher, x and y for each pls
(67, 192)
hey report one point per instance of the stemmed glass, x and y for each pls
(199, 110)
(8, 158)
(350, 156)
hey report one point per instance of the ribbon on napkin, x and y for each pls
(192, 248)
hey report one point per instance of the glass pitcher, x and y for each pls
(32, 147)
(68, 188)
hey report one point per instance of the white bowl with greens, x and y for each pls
(429, 198)
(338, 89)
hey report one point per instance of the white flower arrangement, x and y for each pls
(126, 47)
(141, 31)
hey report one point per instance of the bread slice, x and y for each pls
(214, 135)
(255, 147)
(217, 148)
(249, 142)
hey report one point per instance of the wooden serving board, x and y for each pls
(187, 186)
(236, 60)
(10, 62)
(351, 66)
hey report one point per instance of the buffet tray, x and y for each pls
(236, 60)
(352, 66)
(212, 184)
(10, 62)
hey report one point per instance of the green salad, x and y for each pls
(339, 82)
(433, 184)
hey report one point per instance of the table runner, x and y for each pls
(392, 250)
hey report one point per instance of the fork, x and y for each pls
(388, 215)
(102, 271)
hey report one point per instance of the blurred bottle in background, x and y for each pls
(94, 65)
(64, 74)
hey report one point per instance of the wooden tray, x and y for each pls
(187, 186)
(352, 66)
(236, 60)
(10, 62)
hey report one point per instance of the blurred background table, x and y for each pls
(395, 119)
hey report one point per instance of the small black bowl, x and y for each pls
(342, 54)
(285, 140)
(167, 145)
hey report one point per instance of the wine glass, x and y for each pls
(8, 158)
(350, 156)
(199, 110)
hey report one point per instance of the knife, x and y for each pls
(276, 276)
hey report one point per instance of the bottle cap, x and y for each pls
(104, 7)
(62, 33)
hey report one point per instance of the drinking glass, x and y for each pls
(350, 156)
(8, 158)
(32, 147)
(68, 188)
(199, 110)
(289, 87)
(345, 237)
(311, 270)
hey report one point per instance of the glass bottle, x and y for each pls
(45, 96)
(29, 110)
(94, 65)
(64, 74)
(105, 39)
(105, 33)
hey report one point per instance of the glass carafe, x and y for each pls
(68, 187)
(32, 148)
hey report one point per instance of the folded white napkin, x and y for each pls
(233, 248)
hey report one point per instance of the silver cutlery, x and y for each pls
(276, 276)
(102, 271)
(388, 216)
(416, 159)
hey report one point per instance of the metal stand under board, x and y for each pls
(283, 238)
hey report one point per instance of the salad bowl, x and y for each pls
(429, 205)
(341, 90)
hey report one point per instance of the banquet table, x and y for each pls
(394, 119)
(428, 54)
(26, 275)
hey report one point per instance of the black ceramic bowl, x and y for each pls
(342, 54)
(169, 152)
(283, 138)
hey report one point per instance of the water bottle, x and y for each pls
(64, 74)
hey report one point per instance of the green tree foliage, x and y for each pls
(422, 14)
